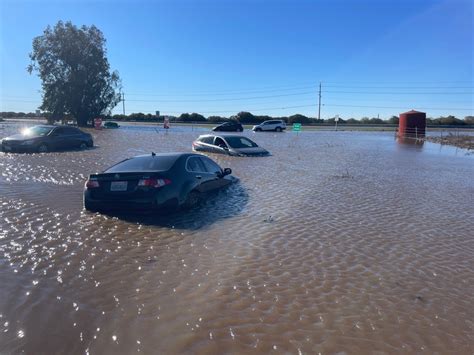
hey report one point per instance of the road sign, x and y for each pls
(296, 127)
(98, 123)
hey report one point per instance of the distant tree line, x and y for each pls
(249, 118)
(11, 114)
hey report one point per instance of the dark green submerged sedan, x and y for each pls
(111, 125)
(154, 182)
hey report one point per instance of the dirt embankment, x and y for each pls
(460, 141)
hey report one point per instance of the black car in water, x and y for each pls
(232, 126)
(45, 138)
(228, 144)
(155, 182)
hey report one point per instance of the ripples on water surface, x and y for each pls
(338, 242)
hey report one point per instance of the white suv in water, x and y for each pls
(273, 125)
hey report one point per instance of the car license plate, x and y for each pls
(118, 186)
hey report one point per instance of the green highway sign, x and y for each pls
(296, 127)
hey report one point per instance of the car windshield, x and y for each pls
(36, 131)
(146, 163)
(240, 142)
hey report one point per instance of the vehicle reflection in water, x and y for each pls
(226, 203)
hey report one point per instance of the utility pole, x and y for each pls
(123, 103)
(319, 109)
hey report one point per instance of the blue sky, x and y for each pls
(377, 57)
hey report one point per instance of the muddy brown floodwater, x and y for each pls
(339, 242)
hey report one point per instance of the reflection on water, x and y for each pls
(226, 203)
(410, 141)
(338, 242)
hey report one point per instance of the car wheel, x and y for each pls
(258, 129)
(43, 148)
(240, 130)
(90, 144)
(278, 129)
(193, 199)
(83, 146)
(88, 207)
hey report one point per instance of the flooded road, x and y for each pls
(338, 242)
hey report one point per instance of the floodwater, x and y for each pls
(340, 242)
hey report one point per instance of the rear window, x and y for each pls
(240, 142)
(207, 140)
(148, 163)
(59, 131)
(72, 130)
(37, 131)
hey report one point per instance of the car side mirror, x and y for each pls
(227, 171)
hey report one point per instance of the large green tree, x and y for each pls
(75, 73)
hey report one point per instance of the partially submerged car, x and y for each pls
(231, 126)
(155, 182)
(45, 138)
(272, 125)
(228, 144)
(111, 124)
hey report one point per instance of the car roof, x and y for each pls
(172, 154)
(46, 126)
(171, 159)
(233, 136)
(54, 126)
(223, 136)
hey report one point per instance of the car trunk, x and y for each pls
(122, 186)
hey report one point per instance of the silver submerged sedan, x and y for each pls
(228, 144)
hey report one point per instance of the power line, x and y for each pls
(224, 93)
(231, 111)
(229, 99)
(329, 105)
(291, 88)
(399, 82)
(403, 107)
(399, 93)
(399, 87)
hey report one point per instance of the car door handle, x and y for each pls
(198, 176)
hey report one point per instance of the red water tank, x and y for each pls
(412, 124)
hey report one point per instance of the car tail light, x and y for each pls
(154, 182)
(92, 184)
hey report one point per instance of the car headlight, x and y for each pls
(30, 142)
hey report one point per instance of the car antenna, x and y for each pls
(153, 154)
